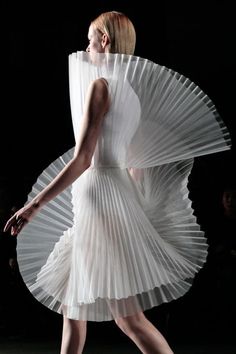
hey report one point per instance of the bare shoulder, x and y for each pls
(99, 88)
(98, 95)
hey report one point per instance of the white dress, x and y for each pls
(123, 237)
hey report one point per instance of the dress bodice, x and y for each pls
(119, 126)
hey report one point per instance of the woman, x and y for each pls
(129, 238)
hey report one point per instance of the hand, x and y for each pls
(21, 218)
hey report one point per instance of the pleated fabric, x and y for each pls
(123, 238)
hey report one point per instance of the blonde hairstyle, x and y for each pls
(119, 29)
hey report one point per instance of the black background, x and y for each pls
(194, 38)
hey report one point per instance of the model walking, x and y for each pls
(116, 234)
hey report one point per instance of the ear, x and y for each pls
(105, 40)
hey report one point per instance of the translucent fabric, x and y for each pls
(123, 237)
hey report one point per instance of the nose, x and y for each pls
(87, 49)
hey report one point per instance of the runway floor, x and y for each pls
(14, 345)
(38, 331)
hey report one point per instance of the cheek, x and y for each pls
(96, 46)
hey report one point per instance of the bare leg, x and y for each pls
(142, 332)
(73, 336)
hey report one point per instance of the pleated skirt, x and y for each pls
(129, 242)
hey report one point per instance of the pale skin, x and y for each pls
(137, 327)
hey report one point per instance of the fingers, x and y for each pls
(16, 224)
(9, 224)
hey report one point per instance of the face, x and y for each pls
(95, 38)
(229, 200)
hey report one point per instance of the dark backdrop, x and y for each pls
(194, 38)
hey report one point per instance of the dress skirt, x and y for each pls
(132, 244)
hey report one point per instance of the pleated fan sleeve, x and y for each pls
(170, 118)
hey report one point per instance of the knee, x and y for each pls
(124, 325)
(131, 324)
(75, 324)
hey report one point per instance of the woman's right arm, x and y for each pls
(96, 106)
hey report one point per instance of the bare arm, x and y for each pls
(96, 106)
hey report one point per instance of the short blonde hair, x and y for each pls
(119, 29)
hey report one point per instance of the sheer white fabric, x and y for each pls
(123, 237)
